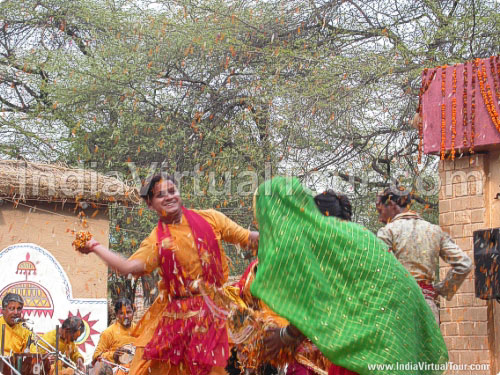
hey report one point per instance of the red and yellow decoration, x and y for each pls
(464, 105)
(454, 113)
(473, 107)
(37, 299)
(487, 95)
(26, 267)
(447, 123)
(443, 112)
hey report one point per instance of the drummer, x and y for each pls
(71, 330)
(16, 336)
(115, 341)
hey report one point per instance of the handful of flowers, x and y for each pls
(80, 241)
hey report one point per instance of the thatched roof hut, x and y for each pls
(47, 182)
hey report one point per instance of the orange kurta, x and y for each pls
(112, 338)
(69, 350)
(187, 257)
(256, 303)
(16, 338)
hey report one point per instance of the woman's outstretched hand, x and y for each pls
(89, 246)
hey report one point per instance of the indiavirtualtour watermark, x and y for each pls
(237, 181)
(424, 366)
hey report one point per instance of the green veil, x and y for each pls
(338, 284)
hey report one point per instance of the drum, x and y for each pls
(34, 364)
(28, 364)
(4, 368)
(101, 368)
(128, 356)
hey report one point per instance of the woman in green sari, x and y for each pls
(339, 286)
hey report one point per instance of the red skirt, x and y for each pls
(190, 332)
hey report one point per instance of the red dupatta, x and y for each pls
(190, 331)
(243, 280)
(208, 252)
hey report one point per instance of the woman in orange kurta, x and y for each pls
(184, 331)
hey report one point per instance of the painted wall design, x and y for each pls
(31, 271)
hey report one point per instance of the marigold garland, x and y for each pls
(473, 107)
(443, 130)
(464, 106)
(495, 78)
(454, 113)
(487, 95)
(497, 63)
(443, 111)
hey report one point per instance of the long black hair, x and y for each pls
(331, 203)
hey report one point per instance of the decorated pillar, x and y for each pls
(460, 122)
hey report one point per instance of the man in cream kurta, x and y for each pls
(418, 245)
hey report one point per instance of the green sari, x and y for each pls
(337, 283)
